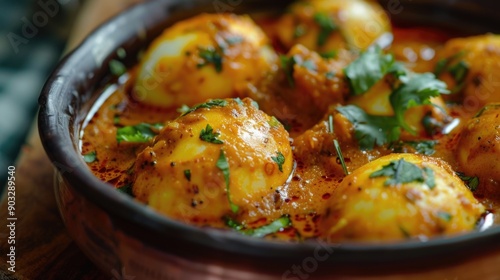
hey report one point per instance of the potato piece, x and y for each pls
(325, 25)
(182, 175)
(471, 66)
(374, 209)
(208, 56)
(478, 150)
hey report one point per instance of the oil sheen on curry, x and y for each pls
(326, 122)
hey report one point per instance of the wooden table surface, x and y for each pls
(44, 249)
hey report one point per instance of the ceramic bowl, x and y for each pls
(123, 237)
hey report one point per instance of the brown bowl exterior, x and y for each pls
(126, 239)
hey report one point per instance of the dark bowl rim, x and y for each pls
(60, 148)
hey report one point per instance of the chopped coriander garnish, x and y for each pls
(370, 67)
(456, 67)
(187, 174)
(415, 90)
(140, 133)
(260, 232)
(445, 216)
(233, 40)
(371, 130)
(398, 69)
(116, 119)
(471, 182)
(90, 157)
(255, 104)
(330, 75)
(329, 54)
(127, 189)
(486, 108)
(421, 147)
(405, 232)
(280, 160)
(309, 65)
(326, 27)
(274, 122)
(207, 105)
(459, 71)
(288, 64)
(330, 124)
(121, 53)
(208, 135)
(117, 68)
(429, 177)
(401, 172)
(341, 156)
(223, 165)
(211, 56)
(443, 64)
(300, 30)
(239, 101)
(183, 109)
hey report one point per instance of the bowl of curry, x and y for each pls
(233, 139)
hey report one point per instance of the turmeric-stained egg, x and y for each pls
(223, 158)
(422, 120)
(400, 196)
(470, 66)
(479, 146)
(326, 25)
(207, 56)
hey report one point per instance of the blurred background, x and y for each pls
(33, 35)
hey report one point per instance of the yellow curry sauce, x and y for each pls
(316, 189)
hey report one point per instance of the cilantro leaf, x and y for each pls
(127, 189)
(456, 67)
(206, 105)
(443, 64)
(459, 71)
(187, 174)
(326, 27)
(309, 65)
(471, 182)
(90, 157)
(140, 133)
(299, 31)
(370, 67)
(421, 147)
(211, 56)
(329, 55)
(401, 172)
(208, 135)
(183, 109)
(117, 68)
(370, 130)
(288, 64)
(341, 156)
(274, 122)
(486, 108)
(331, 128)
(275, 226)
(234, 39)
(280, 160)
(429, 177)
(445, 216)
(223, 165)
(415, 90)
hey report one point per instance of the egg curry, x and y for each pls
(326, 122)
